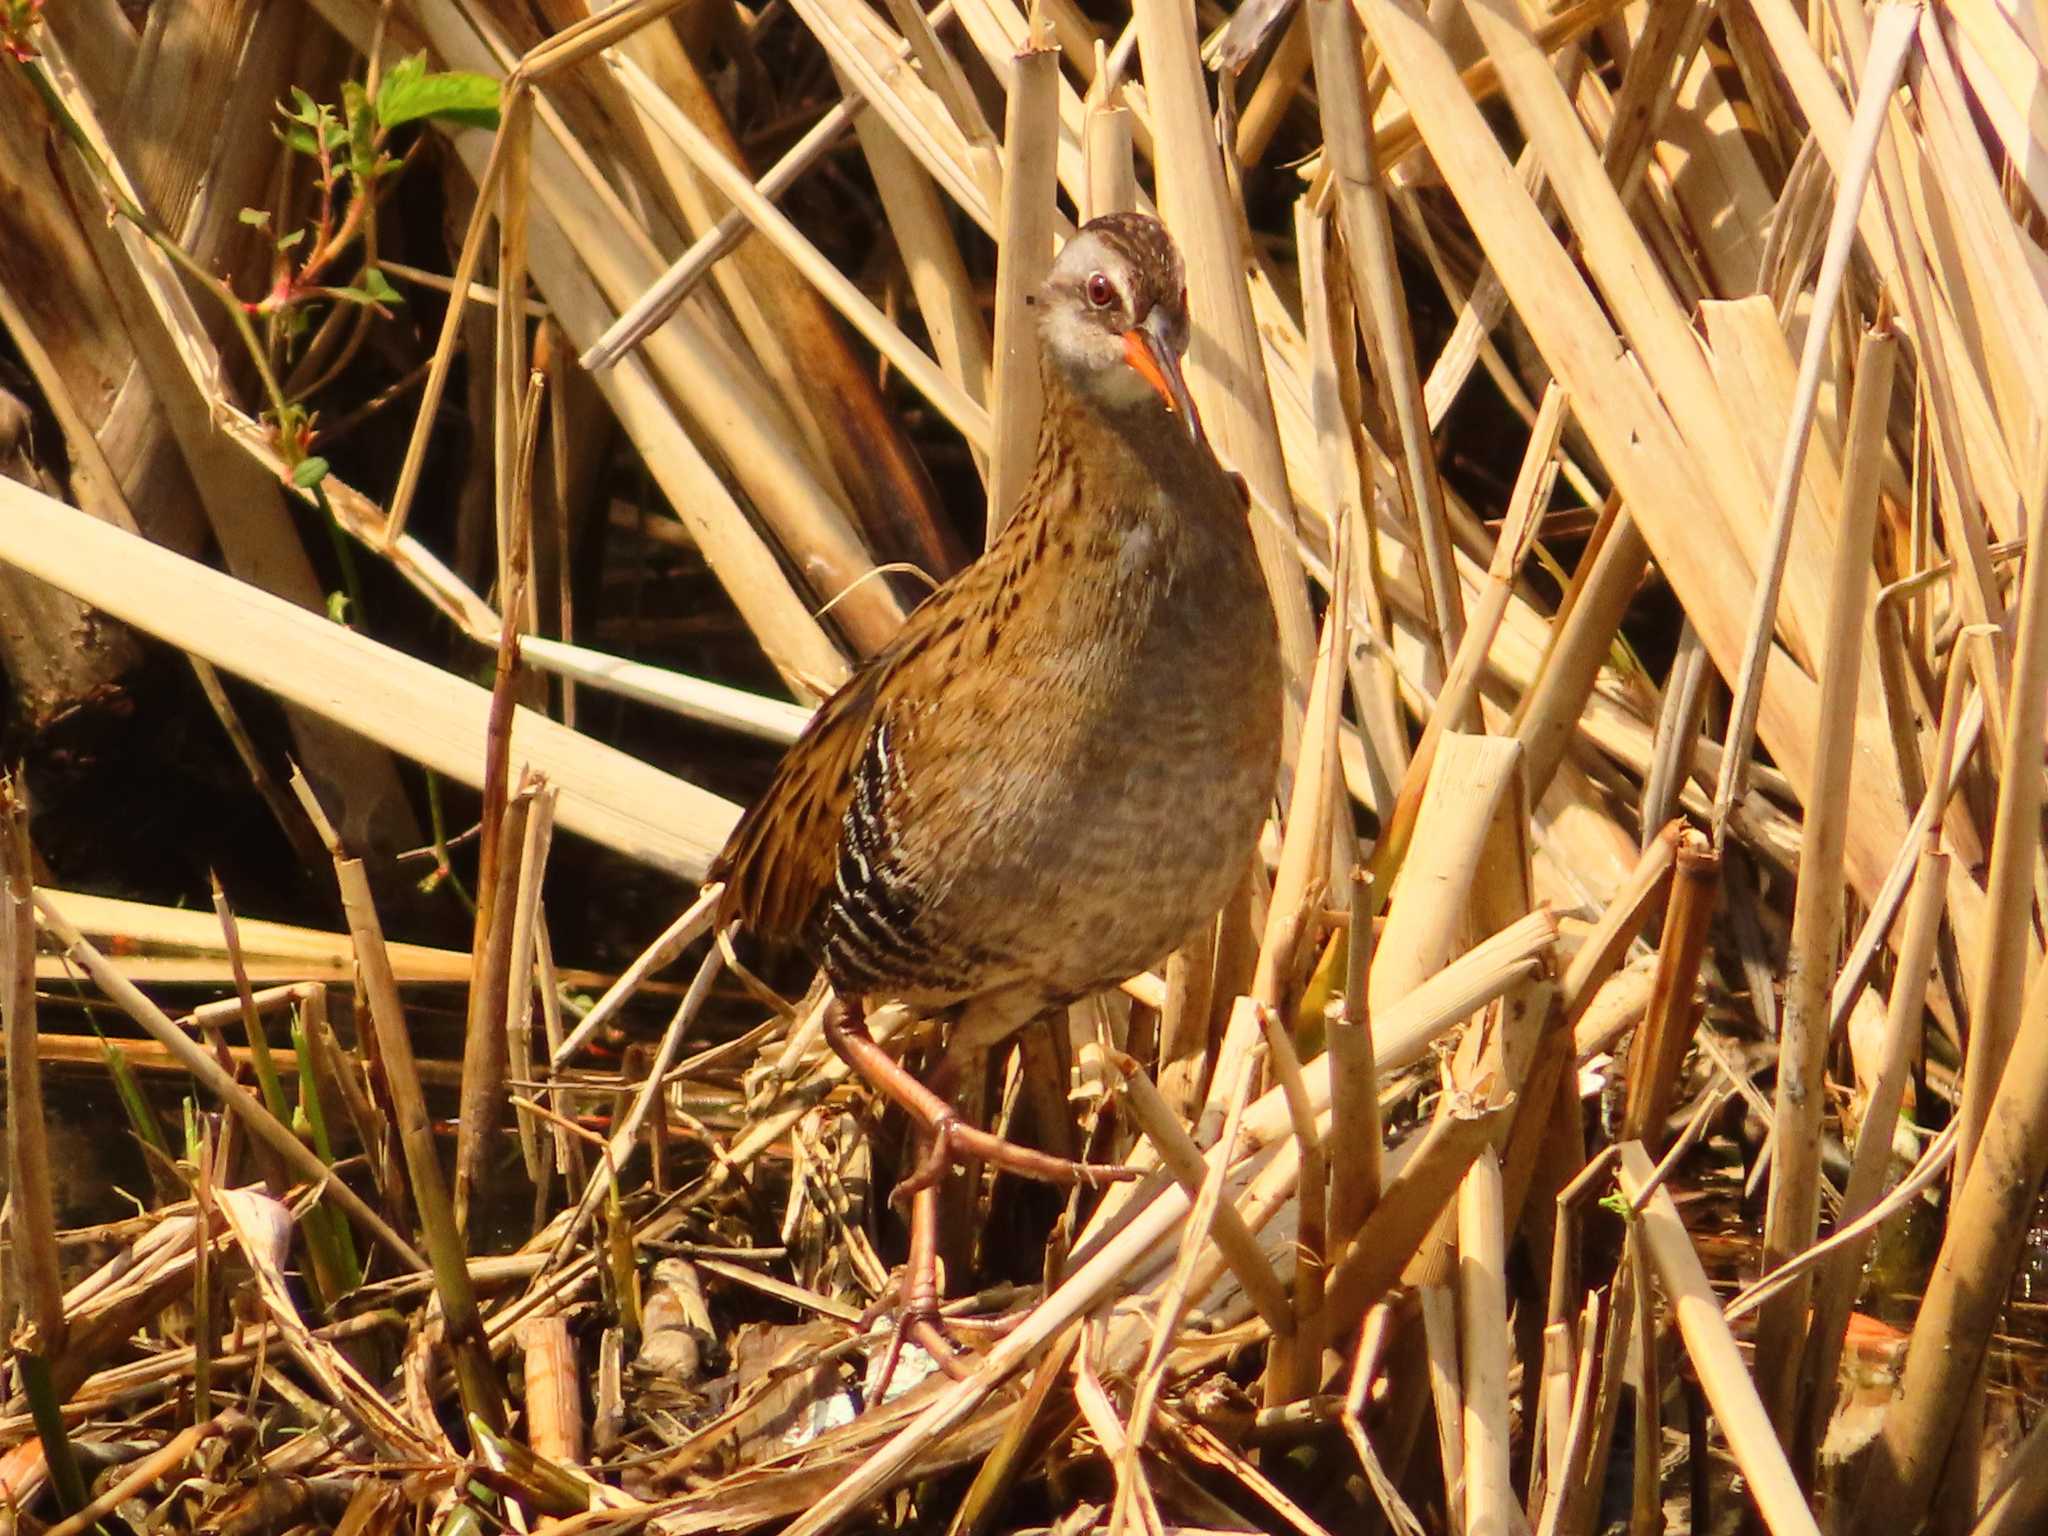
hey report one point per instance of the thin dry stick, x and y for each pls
(1173, 1304)
(1792, 1214)
(196, 1060)
(1887, 62)
(972, 422)
(1183, 1159)
(510, 457)
(688, 926)
(167, 1458)
(1679, 717)
(1336, 38)
(1031, 141)
(519, 970)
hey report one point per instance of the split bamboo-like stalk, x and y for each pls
(1792, 1215)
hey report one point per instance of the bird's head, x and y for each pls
(1113, 318)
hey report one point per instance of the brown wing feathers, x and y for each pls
(780, 859)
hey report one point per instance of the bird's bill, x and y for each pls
(1152, 359)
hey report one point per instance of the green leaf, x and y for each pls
(410, 92)
(300, 141)
(286, 242)
(337, 607)
(259, 218)
(378, 286)
(309, 472)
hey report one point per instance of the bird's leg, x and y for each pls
(917, 1311)
(846, 1031)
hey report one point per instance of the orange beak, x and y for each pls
(1151, 358)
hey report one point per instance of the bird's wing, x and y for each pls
(780, 859)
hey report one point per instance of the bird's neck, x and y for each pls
(1123, 452)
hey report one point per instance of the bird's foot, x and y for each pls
(917, 1302)
(917, 1321)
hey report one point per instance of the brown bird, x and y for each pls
(1058, 768)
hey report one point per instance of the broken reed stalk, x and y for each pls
(1336, 41)
(1905, 1017)
(1106, 153)
(1716, 1358)
(1355, 1176)
(31, 1203)
(1485, 1348)
(1966, 1293)
(502, 820)
(1031, 139)
(1181, 1157)
(31, 1227)
(475, 1376)
(1294, 1360)
(1792, 1212)
(1667, 1028)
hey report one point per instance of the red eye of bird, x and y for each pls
(1101, 291)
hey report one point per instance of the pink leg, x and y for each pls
(847, 1031)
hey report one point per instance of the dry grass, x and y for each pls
(1641, 408)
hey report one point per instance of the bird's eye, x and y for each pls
(1101, 291)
